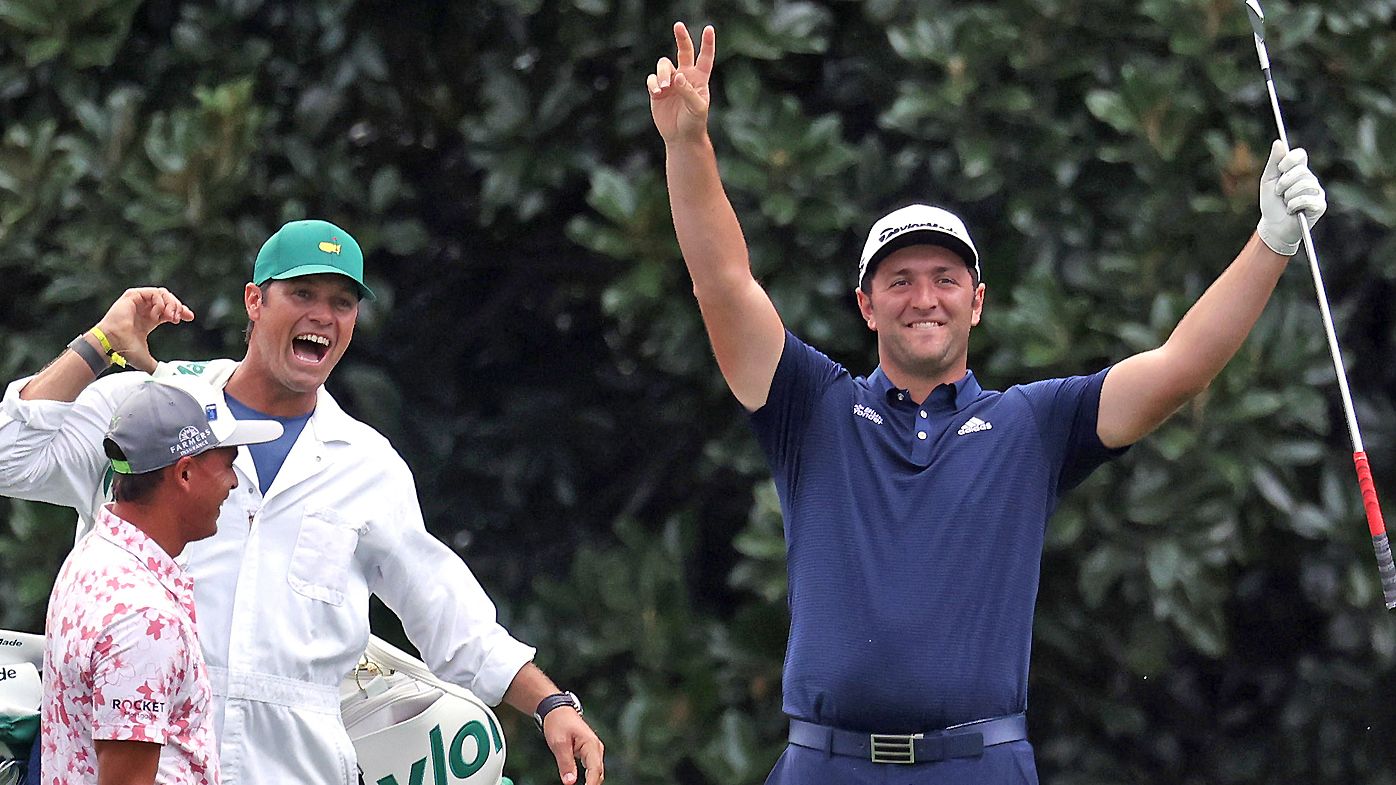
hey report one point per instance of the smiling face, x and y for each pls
(210, 478)
(922, 302)
(300, 329)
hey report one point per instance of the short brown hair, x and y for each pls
(136, 488)
(131, 488)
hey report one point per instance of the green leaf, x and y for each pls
(1110, 108)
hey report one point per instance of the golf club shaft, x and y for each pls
(1381, 545)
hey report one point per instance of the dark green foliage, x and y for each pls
(1209, 609)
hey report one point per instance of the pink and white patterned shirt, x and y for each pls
(123, 662)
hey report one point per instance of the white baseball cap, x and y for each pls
(917, 224)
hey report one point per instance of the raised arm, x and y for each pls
(51, 425)
(745, 330)
(1142, 391)
(126, 328)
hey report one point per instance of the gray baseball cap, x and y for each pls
(165, 420)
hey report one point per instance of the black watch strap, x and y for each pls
(554, 701)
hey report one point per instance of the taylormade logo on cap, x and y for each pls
(893, 231)
(917, 224)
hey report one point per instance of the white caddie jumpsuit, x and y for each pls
(282, 589)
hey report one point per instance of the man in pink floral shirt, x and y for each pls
(126, 693)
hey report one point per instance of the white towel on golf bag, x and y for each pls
(409, 727)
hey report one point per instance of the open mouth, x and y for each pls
(310, 348)
(926, 325)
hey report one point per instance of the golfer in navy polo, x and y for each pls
(915, 500)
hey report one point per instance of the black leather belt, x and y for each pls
(960, 741)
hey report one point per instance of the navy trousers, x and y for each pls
(1001, 764)
(31, 775)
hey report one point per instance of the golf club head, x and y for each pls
(1257, 18)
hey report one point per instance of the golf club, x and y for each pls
(1375, 525)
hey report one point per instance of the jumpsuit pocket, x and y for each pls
(324, 549)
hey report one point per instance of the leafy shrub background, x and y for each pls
(1209, 612)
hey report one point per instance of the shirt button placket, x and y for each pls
(921, 447)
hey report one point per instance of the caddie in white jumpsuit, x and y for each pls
(320, 520)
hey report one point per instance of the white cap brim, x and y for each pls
(253, 432)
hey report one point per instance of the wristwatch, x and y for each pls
(552, 702)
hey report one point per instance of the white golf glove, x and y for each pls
(1287, 187)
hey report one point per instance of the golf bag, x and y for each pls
(408, 726)
(21, 659)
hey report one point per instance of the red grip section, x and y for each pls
(1369, 495)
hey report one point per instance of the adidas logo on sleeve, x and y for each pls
(974, 425)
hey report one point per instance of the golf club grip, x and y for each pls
(1382, 546)
(1375, 524)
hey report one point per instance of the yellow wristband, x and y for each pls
(106, 346)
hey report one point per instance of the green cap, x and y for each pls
(307, 248)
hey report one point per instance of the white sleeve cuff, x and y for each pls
(503, 662)
(36, 414)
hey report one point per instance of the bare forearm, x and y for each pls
(745, 330)
(124, 329)
(706, 225)
(530, 686)
(64, 378)
(1142, 391)
(567, 734)
(1212, 331)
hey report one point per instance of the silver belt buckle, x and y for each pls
(894, 747)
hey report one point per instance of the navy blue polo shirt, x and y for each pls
(914, 536)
